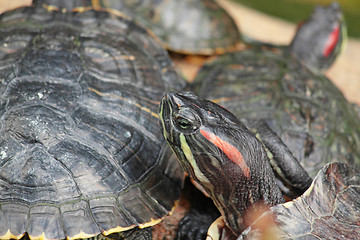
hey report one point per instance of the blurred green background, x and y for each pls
(298, 10)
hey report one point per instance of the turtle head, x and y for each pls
(198, 129)
(320, 39)
(220, 153)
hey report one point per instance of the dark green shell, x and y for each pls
(300, 104)
(81, 150)
(187, 26)
(329, 209)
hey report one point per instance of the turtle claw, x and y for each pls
(219, 231)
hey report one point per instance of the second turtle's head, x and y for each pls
(319, 40)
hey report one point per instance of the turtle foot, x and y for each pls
(195, 224)
(133, 234)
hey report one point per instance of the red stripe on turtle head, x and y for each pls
(332, 41)
(230, 151)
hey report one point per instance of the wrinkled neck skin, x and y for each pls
(232, 191)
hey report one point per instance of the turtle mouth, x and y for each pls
(170, 106)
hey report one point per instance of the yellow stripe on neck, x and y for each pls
(190, 158)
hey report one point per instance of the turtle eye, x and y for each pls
(186, 120)
(183, 123)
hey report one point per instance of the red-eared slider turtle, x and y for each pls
(300, 104)
(187, 26)
(231, 165)
(81, 151)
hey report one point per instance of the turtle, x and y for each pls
(231, 164)
(188, 27)
(81, 151)
(290, 93)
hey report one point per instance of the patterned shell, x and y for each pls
(187, 26)
(81, 150)
(300, 104)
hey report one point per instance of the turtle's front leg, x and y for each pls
(203, 212)
(292, 178)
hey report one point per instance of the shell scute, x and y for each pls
(78, 219)
(14, 217)
(51, 220)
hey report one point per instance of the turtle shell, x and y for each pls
(81, 152)
(300, 104)
(187, 26)
(329, 209)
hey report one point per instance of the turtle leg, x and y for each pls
(203, 212)
(292, 178)
(137, 234)
(194, 225)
